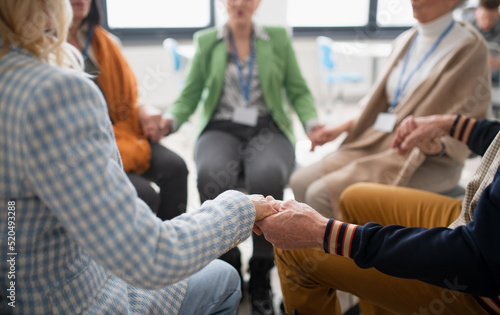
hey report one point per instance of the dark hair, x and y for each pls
(489, 4)
(95, 14)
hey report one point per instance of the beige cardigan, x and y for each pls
(460, 84)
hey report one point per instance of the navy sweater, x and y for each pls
(465, 259)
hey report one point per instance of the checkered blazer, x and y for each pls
(84, 242)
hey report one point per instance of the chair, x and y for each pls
(329, 75)
(178, 62)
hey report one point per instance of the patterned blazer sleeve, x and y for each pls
(71, 156)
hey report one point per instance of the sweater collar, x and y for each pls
(436, 27)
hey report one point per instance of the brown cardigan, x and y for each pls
(460, 84)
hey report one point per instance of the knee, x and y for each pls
(354, 194)
(149, 195)
(318, 197)
(212, 181)
(269, 180)
(297, 183)
(180, 167)
(226, 276)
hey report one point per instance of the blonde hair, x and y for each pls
(40, 27)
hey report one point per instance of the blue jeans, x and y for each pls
(213, 290)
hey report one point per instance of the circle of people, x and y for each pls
(101, 223)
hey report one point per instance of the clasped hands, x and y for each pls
(424, 133)
(288, 224)
(153, 124)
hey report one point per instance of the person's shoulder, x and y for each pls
(33, 74)
(405, 36)
(54, 86)
(208, 34)
(275, 30)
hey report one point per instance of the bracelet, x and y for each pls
(440, 153)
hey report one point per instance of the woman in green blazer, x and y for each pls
(243, 78)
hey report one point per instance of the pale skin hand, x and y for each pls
(423, 133)
(296, 225)
(149, 117)
(263, 208)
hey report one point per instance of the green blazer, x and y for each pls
(279, 74)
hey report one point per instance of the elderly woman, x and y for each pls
(136, 132)
(79, 239)
(244, 125)
(440, 66)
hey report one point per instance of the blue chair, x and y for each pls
(330, 76)
(178, 63)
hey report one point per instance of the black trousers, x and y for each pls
(168, 170)
(263, 154)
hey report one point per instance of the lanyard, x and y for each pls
(245, 88)
(400, 87)
(87, 44)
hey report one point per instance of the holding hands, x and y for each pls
(150, 117)
(290, 224)
(321, 135)
(423, 133)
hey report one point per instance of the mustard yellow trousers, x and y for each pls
(309, 278)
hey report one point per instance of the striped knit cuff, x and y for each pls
(339, 238)
(462, 128)
(491, 305)
(326, 238)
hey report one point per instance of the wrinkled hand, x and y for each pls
(150, 117)
(263, 208)
(423, 133)
(296, 225)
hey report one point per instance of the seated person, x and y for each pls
(426, 253)
(80, 240)
(436, 67)
(486, 19)
(135, 127)
(241, 72)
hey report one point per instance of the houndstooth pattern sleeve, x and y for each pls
(70, 153)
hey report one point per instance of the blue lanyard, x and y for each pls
(245, 88)
(87, 44)
(400, 88)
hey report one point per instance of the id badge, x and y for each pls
(246, 116)
(385, 122)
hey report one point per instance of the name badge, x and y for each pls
(246, 116)
(385, 122)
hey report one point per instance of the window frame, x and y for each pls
(370, 31)
(367, 32)
(153, 34)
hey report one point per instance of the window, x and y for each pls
(394, 13)
(327, 13)
(157, 18)
(369, 19)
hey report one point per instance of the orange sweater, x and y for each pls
(119, 86)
